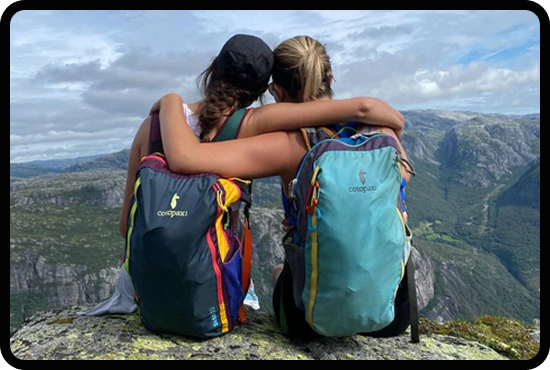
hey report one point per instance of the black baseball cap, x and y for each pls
(245, 61)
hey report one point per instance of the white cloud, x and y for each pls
(30, 48)
(83, 80)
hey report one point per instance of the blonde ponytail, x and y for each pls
(309, 65)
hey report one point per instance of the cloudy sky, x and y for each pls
(82, 81)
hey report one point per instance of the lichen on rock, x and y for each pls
(62, 334)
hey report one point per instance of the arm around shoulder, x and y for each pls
(377, 112)
(293, 116)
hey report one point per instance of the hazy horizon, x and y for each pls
(128, 148)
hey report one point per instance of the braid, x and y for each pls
(218, 99)
(221, 97)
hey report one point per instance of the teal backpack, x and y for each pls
(350, 247)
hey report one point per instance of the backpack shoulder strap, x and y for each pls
(229, 130)
(413, 302)
(313, 135)
(155, 140)
(231, 126)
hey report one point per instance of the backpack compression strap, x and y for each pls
(247, 260)
(313, 135)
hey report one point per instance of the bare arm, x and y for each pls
(136, 153)
(260, 156)
(293, 116)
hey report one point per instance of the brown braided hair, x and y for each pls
(220, 96)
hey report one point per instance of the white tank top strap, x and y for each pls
(192, 120)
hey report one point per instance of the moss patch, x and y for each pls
(69, 320)
(508, 337)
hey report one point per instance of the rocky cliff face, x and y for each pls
(37, 283)
(61, 335)
(526, 191)
(65, 248)
(424, 277)
(63, 285)
(483, 150)
(91, 188)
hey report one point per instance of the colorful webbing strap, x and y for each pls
(247, 264)
(402, 191)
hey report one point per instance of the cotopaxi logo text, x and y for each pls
(173, 212)
(364, 188)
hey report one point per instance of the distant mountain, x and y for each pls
(29, 170)
(474, 208)
(114, 161)
(59, 164)
(42, 167)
